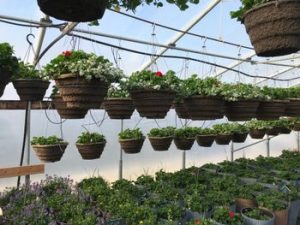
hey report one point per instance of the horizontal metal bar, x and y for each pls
(255, 143)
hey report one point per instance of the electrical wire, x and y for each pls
(33, 26)
(181, 57)
(181, 31)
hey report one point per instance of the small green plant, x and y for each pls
(131, 134)
(257, 214)
(241, 91)
(87, 138)
(224, 216)
(51, 140)
(8, 62)
(162, 132)
(257, 124)
(239, 128)
(223, 128)
(201, 222)
(274, 93)
(272, 201)
(27, 71)
(206, 131)
(186, 132)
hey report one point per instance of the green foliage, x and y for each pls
(206, 131)
(272, 200)
(241, 91)
(224, 216)
(257, 214)
(186, 132)
(87, 138)
(162, 132)
(8, 62)
(257, 124)
(55, 91)
(239, 128)
(223, 128)
(131, 134)
(275, 93)
(51, 140)
(27, 71)
(201, 221)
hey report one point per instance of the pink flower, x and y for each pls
(158, 74)
(231, 214)
(67, 53)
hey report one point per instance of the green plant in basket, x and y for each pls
(51, 140)
(90, 137)
(241, 91)
(274, 201)
(86, 65)
(162, 132)
(131, 134)
(201, 222)
(224, 215)
(8, 62)
(239, 128)
(257, 124)
(206, 131)
(27, 71)
(274, 93)
(119, 90)
(257, 214)
(223, 128)
(186, 132)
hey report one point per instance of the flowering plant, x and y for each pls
(27, 71)
(119, 90)
(147, 79)
(224, 216)
(240, 91)
(8, 62)
(87, 65)
(87, 138)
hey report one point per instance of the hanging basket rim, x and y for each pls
(55, 145)
(131, 139)
(152, 90)
(117, 99)
(91, 144)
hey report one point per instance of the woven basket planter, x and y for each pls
(273, 131)
(242, 203)
(223, 139)
(131, 146)
(160, 143)
(242, 110)
(31, 89)
(285, 130)
(74, 10)
(5, 79)
(181, 111)
(184, 143)
(119, 108)
(65, 112)
(91, 151)
(50, 153)
(257, 133)
(153, 104)
(239, 137)
(296, 127)
(271, 110)
(205, 140)
(274, 27)
(293, 107)
(251, 221)
(204, 108)
(81, 94)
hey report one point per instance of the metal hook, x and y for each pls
(204, 43)
(240, 48)
(27, 38)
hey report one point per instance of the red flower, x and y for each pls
(231, 214)
(158, 74)
(67, 53)
(197, 221)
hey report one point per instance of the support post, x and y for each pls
(298, 141)
(231, 151)
(183, 159)
(268, 146)
(27, 177)
(121, 156)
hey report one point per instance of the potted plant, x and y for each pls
(224, 216)
(178, 104)
(201, 221)
(244, 198)
(239, 132)
(296, 124)
(199, 207)
(82, 78)
(273, 26)
(8, 65)
(31, 84)
(118, 104)
(273, 127)
(131, 140)
(224, 133)
(48, 149)
(285, 125)
(203, 98)
(63, 110)
(206, 137)
(184, 137)
(242, 101)
(293, 106)
(257, 128)
(153, 92)
(257, 216)
(90, 145)
(274, 104)
(161, 138)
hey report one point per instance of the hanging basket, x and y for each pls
(119, 108)
(223, 139)
(91, 151)
(204, 107)
(81, 94)
(242, 110)
(50, 153)
(74, 10)
(181, 111)
(160, 143)
(184, 143)
(4, 80)
(296, 127)
(205, 140)
(257, 133)
(274, 27)
(31, 89)
(65, 112)
(242, 203)
(131, 146)
(285, 130)
(239, 137)
(293, 107)
(273, 131)
(271, 110)
(153, 104)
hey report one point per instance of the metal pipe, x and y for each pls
(268, 146)
(255, 143)
(298, 141)
(27, 177)
(121, 156)
(183, 159)
(231, 151)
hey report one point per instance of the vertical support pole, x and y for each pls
(268, 146)
(27, 177)
(231, 151)
(183, 159)
(121, 156)
(298, 141)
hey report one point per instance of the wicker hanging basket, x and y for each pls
(271, 110)
(91, 150)
(273, 131)
(293, 107)
(296, 126)
(274, 27)
(5, 79)
(239, 137)
(204, 108)
(223, 139)
(181, 111)
(79, 93)
(257, 133)
(131, 146)
(119, 108)
(160, 143)
(153, 104)
(184, 143)
(205, 140)
(50, 153)
(242, 110)
(65, 112)
(74, 10)
(31, 89)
